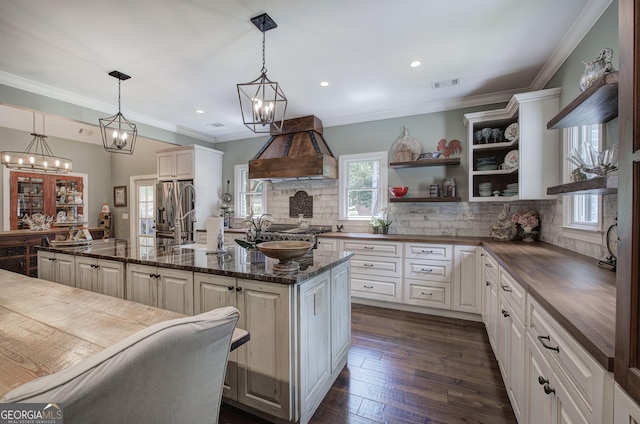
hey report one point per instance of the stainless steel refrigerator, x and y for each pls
(175, 212)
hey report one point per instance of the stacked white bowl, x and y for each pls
(485, 189)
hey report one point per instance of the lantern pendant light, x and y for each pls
(118, 133)
(37, 156)
(262, 102)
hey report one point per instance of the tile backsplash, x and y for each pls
(449, 219)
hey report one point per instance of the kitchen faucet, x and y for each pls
(177, 229)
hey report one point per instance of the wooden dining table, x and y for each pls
(46, 327)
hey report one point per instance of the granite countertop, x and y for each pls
(237, 262)
(571, 287)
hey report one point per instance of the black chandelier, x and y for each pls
(262, 102)
(118, 133)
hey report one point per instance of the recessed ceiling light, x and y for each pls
(200, 111)
(415, 64)
(324, 83)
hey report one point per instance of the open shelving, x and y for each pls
(597, 185)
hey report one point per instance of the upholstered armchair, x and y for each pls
(171, 372)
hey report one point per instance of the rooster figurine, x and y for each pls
(454, 147)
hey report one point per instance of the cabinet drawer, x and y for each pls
(376, 266)
(513, 293)
(374, 248)
(490, 267)
(381, 289)
(442, 252)
(428, 270)
(13, 251)
(566, 355)
(434, 295)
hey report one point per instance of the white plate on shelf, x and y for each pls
(512, 132)
(512, 159)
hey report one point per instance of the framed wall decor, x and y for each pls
(120, 196)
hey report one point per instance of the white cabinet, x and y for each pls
(285, 370)
(100, 276)
(327, 244)
(626, 410)
(490, 303)
(376, 269)
(582, 388)
(57, 267)
(428, 270)
(511, 350)
(538, 166)
(201, 165)
(467, 279)
(176, 164)
(163, 288)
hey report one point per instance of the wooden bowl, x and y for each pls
(285, 251)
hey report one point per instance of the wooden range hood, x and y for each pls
(298, 152)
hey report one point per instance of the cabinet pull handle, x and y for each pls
(426, 294)
(51, 259)
(367, 287)
(488, 283)
(505, 313)
(238, 289)
(230, 287)
(506, 288)
(488, 265)
(368, 247)
(426, 269)
(546, 346)
(427, 251)
(368, 264)
(548, 390)
(542, 380)
(482, 254)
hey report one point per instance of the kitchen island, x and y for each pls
(300, 323)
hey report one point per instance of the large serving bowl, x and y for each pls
(398, 191)
(285, 251)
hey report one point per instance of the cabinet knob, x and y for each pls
(542, 380)
(505, 313)
(238, 289)
(230, 287)
(548, 390)
(488, 283)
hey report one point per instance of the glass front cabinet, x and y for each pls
(60, 196)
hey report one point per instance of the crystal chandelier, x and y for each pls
(262, 102)
(37, 156)
(118, 133)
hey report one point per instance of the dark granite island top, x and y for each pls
(237, 262)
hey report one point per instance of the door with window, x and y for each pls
(145, 217)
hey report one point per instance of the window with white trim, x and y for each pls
(363, 185)
(582, 213)
(250, 195)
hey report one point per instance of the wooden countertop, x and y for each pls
(47, 327)
(579, 294)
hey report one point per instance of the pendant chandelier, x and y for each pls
(37, 156)
(118, 133)
(262, 102)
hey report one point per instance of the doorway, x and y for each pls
(143, 215)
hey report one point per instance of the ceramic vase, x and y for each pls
(527, 234)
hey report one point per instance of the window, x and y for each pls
(251, 197)
(363, 181)
(582, 213)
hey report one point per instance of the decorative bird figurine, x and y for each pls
(454, 147)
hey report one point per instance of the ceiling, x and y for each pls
(190, 54)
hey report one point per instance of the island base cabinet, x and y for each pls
(57, 267)
(100, 276)
(626, 410)
(340, 315)
(160, 287)
(264, 367)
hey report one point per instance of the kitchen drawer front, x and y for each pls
(588, 379)
(374, 248)
(514, 293)
(440, 252)
(428, 293)
(490, 267)
(428, 270)
(376, 266)
(387, 289)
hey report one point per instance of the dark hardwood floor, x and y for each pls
(411, 368)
